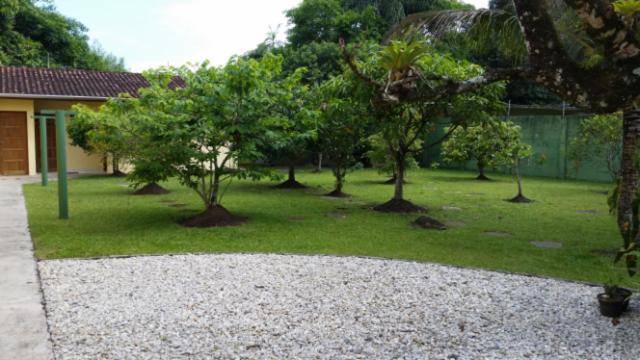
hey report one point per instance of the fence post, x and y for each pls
(565, 122)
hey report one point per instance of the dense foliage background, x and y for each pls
(35, 34)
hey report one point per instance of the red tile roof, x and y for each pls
(69, 83)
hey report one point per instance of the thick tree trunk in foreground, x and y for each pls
(629, 172)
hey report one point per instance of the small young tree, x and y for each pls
(484, 143)
(200, 132)
(600, 137)
(514, 152)
(342, 122)
(111, 131)
(291, 124)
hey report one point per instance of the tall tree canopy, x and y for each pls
(318, 25)
(35, 34)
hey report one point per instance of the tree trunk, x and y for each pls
(319, 165)
(215, 192)
(339, 181)
(519, 177)
(340, 173)
(481, 175)
(629, 172)
(292, 174)
(520, 198)
(399, 186)
(115, 163)
(291, 182)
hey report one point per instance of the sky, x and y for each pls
(152, 33)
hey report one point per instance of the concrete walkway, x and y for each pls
(23, 325)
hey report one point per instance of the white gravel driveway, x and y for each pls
(315, 307)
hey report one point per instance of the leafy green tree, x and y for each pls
(113, 132)
(341, 129)
(203, 131)
(515, 152)
(290, 123)
(35, 34)
(485, 143)
(382, 157)
(393, 70)
(102, 133)
(599, 137)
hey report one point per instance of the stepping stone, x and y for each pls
(455, 223)
(124, 185)
(546, 244)
(429, 223)
(337, 215)
(587, 212)
(178, 205)
(167, 201)
(604, 252)
(498, 233)
(451, 208)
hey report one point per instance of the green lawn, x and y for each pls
(107, 220)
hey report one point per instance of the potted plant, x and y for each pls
(614, 300)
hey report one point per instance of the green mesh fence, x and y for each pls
(549, 131)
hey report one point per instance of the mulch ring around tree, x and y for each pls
(429, 223)
(151, 189)
(290, 184)
(483, 177)
(399, 206)
(215, 216)
(337, 194)
(520, 199)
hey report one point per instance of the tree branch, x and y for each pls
(348, 58)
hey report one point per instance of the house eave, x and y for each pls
(53, 97)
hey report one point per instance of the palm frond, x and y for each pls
(486, 30)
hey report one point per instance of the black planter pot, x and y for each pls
(614, 306)
(626, 295)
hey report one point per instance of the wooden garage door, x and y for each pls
(14, 154)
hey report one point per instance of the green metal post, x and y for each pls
(44, 158)
(61, 147)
